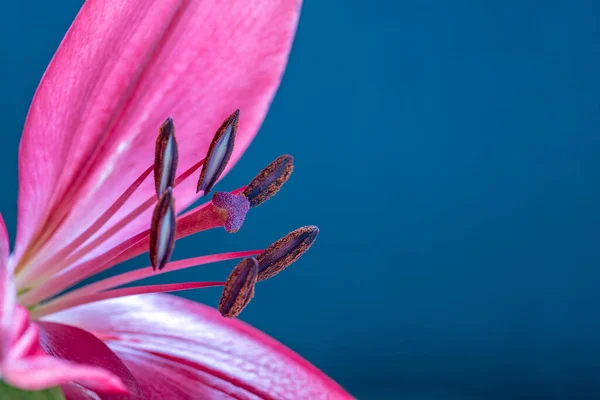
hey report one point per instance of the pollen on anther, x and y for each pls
(268, 181)
(165, 157)
(162, 230)
(239, 288)
(285, 251)
(219, 153)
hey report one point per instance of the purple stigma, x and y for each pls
(236, 207)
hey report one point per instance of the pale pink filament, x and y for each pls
(142, 273)
(53, 307)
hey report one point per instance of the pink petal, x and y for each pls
(205, 352)
(83, 349)
(122, 68)
(162, 378)
(27, 367)
(43, 372)
(74, 391)
(7, 293)
(28, 343)
(20, 323)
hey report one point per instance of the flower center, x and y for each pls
(45, 279)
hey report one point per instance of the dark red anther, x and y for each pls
(285, 251)
(165, 157)
(268, 182)
(162, 230)
(219, 153)
(239, 288)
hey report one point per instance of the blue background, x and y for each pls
(449, 152)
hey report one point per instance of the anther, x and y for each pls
(162, 230)
(219, 153)
(268, 181)
(165, 157)
(233, 209)
(239, 288)
(285, 251)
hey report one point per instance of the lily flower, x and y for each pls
(119, 141)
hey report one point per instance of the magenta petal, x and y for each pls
(75, 345)
(74, 391)
(203, 349)
(42, 372)
(123, 67)
(28, 343)
(162, 378)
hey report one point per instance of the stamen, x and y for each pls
(219, 153)
(285, 251)
(268, 182)
(239, 288)
(143, 273)
(162, 231)
(165, 157)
